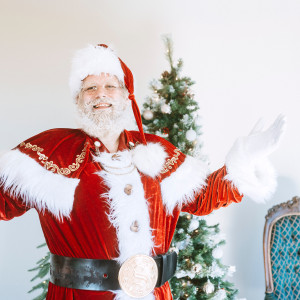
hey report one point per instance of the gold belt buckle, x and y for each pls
(138, 276)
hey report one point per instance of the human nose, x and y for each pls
(101, 92)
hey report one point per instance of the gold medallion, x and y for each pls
(138, 276)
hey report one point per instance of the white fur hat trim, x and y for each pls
(93, 61)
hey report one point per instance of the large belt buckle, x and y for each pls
(138, 276)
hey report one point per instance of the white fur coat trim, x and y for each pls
(23, 177)
(120, 295)
(93, 61)
(182, 185)
(255, 178)
(126, 209)
(149, 159)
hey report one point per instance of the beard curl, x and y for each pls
(102, 123)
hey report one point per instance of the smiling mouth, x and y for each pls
(102, 105)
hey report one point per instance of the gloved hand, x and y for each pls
(248, 167)
(261, 143)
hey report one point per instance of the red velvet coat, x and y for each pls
(59, 173)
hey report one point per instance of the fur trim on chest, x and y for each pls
(182, 185)
(149, 159)
(129, 215)
(128, 206)
(22, 177)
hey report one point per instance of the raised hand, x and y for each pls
(247, 161)
(263, 142)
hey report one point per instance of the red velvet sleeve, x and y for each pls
(217, 193)
(10, 207)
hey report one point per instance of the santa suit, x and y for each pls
(88, 200)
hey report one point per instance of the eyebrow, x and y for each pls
(95, 83)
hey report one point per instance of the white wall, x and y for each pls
(244, 56)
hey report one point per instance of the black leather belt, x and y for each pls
(101, 274)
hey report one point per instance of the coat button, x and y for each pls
(97, 144)
(135, 226)
(128, 189)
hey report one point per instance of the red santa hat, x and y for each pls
(94, 60)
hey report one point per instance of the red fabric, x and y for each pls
(11, 207)
(88, 232)
(217, 193)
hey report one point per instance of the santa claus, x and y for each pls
(108, 199)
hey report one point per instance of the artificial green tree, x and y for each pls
(42, 269)
(172, 112)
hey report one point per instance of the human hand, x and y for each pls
(259, 142)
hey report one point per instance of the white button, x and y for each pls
(97, 144)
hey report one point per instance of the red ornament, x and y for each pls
(166, 130)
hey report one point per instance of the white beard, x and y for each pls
(103, 123)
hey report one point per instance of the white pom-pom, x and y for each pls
(165, 109)
(191, 135)
(217, 253)
(208, 287)
(193, 225)
(148, 114)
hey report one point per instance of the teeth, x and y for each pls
(102, 105)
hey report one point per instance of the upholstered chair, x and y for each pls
(281, 244)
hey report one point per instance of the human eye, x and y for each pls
(91, 88)
(111, 86)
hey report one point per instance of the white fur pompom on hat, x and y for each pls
(93, 60)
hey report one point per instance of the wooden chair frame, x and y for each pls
(291, 207)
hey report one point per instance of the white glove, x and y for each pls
(247, 162)
(261, 143)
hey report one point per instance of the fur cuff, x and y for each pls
(182, 185)
(23, 177)
(255, 178)
(120, 295)
(149, 159)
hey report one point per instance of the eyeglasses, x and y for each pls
(93, 89)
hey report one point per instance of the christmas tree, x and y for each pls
(43, 269)
(172, 112)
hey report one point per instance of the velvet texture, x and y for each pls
(88, 232)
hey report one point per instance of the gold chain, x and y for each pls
(171, 162)
(50, 165)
